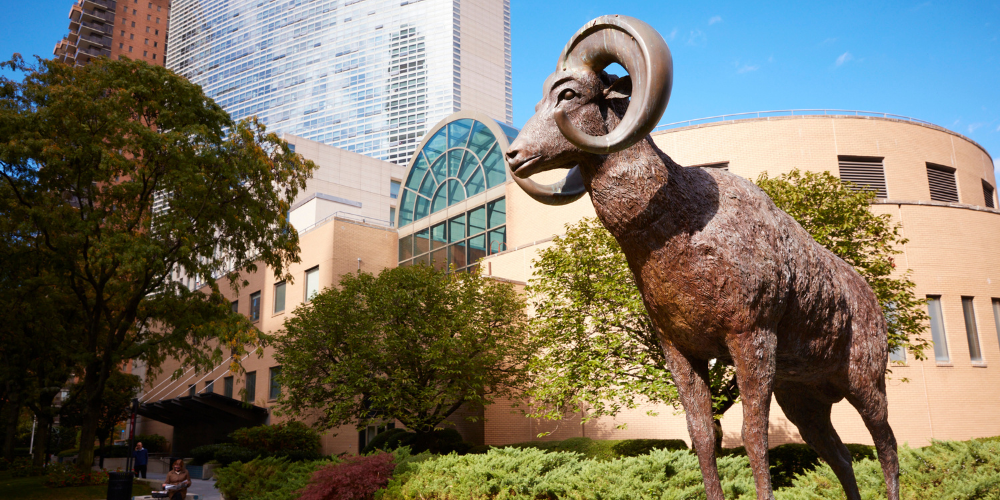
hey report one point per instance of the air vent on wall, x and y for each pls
(942, 183)
(988, 194)
(865, 173)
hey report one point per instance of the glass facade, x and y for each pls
(367, 76)
(454, 172)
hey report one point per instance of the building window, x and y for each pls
(394, 189)
(131, 36)
(146, 41)
(191, 390)
(227, 387)
(988, 195)
(154, 57)
(130, 48)
(392, 216)
(147, 30)
(255, 306)
(251, 388)
(312, 283)
(121, 45)
(123, 31)
(236, 306)
(937, 329)
(133, 24)
(275, 389)
(996, 316)
(942, 183)
(145, 53)
(969, 310)
(863, 173)
(209, 387)
(279, 297)
(149, 17)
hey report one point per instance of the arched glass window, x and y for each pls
(461, 159)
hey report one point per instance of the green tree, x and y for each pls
(411, 343)
(599, 351)
(116, 404)
(128, 177)
(838, 215)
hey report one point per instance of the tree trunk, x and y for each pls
(717, 425)
(93, 388)
(10, 426)
(42, 433)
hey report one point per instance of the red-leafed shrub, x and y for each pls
(356, 478)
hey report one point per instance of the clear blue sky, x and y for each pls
(936, 61)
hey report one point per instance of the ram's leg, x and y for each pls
(753, 357)
(871, 403)
(691, 379)
(812, 417)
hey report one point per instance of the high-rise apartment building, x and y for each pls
(136, 29)
(369, 76)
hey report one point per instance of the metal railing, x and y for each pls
(346, 215)
(787, 112)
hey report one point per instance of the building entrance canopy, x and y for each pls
(207, 407)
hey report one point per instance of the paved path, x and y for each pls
(203, 488)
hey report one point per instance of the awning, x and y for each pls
(208, 407)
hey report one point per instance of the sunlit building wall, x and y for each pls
(368, 76)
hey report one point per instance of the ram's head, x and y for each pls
(581, 103)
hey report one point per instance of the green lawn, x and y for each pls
(33, 488)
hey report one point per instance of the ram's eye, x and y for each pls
(566, 95)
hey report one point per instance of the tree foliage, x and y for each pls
(411, 343)
(86, 154)
(116, 404)
(599, 351)
(839, 217)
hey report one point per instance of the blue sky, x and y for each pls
(936, 61)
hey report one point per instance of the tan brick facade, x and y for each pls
(950, 252)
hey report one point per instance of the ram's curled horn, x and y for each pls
(567, 190)
(644, 55)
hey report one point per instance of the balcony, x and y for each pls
(92, 40)
(98, 16)
(92, 29)
(100, 4)
(92, 52)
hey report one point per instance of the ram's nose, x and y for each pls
(514, 157)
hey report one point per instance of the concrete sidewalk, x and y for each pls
(201, 489)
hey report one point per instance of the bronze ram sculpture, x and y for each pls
(723, 272)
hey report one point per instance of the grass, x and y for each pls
(33, 488)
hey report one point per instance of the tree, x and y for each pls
(127, 178)
(599, 351)
(411, 343)
(116, 404)
(838, 216)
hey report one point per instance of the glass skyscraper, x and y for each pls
(369, 76)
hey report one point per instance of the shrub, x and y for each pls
(265, 478)
(530, 473)
(114, 451)
(636, 447)
(66, 475)
(600, 450)
(862, 451)
(788, 460)
(291, 435)
(21, 467)
(203, 454)
(232, 454)
(388, 441)
(68, 453)
(155, 443)
(357, 478)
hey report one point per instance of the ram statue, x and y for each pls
(724, 274)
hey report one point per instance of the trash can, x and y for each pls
(120, 486)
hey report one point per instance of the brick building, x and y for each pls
(454, 203)
(136, 29)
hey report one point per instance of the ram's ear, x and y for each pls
(620, 89)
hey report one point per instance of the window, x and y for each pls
(279, 297)
(146, 41)
(157, 32)
(988, 195)
(131, 36)
(149, 17)
(863, 173)
(191, 390)
(942, 183)
(147, 30)
(227, 387)
(312, 283)
(121, 45)
(209, 387)
(968, 309)
(392, 216)
(937, 329)
(156, 44)
(275, 390)
(157, 20)
(130, 48)
(251, 388)
(123, 31)
(133, 24)
(255, 306)
(996, 316)
(154, 57)
(236, 306)
(394, 189)
(145, 53)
